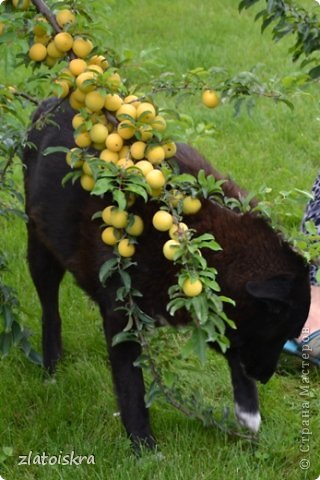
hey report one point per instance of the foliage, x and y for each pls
(14, 334)
(283, 210)
(12, 139)
(288, 18)
(242, 89)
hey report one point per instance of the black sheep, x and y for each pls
(256, 267)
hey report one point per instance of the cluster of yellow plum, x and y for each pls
(178, 233)
(129, 141)
(50, 48)
(89, 80)
(120, 224)
(127, 152)
(125, 130)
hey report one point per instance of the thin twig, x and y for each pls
(33, 124)
(46, 12)
(7, 164)
(111, 118)
(33, 100)
(172, 400)
(44, 114)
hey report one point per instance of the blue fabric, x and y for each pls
(293, 347)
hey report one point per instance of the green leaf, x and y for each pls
(184, 178)
(35, 357)
(205, 237)
(26, 346)
(314, 73)
(209, 184)
(8, 318)
(109, 170)
(198, 341)
(8, 37)
(131, 120)
(212, 284)
(17, 333)
(210, 273)
(126, 279)
(202, 179)
(5, 343)
(142, 361)
(73, 176)
(308, 195)
(247, 4)
(212, 334)
(175, 305)
(174, 290)
(144, 317)
(219, 323)
(119, 198)
(152, 393)
(121, 296)
(102, 186)
(227, 300)
(138, 190)
(129, 325)
(223, 343)
(107, 269)
(96, 215)
(8, 451)
(124, 337)
(286, 102)
(208, 241)
(200, 306)
(51, 150)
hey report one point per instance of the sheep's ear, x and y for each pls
(274, 289)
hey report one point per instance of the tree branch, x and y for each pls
(7, 165)
(33, 100)
(46, 12)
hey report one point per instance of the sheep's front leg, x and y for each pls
(245, 395)
(129, 385)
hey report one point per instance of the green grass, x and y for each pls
(274, 147)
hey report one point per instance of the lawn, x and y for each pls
(274, 147)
